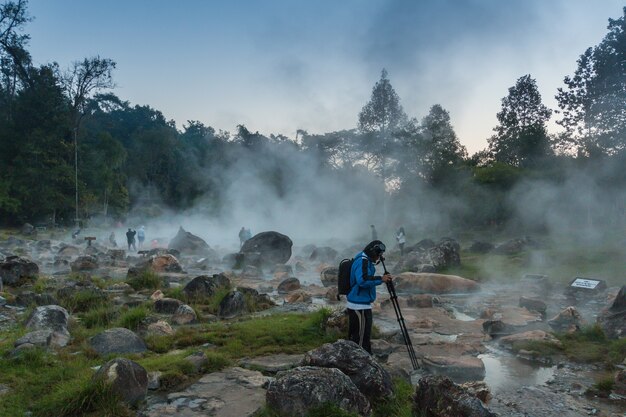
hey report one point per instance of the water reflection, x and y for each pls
(504, 372)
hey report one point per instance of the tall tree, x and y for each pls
(521, 137)
(593, 103)
(381, 116)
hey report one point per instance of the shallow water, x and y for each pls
(505, 372)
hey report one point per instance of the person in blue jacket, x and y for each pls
(363, 285)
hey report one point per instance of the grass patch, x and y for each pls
(146, 280)
(176, 293)
(589, 345)
(213, 303)
(101, 316)
(400, 405)
(131, 317)
(605, 384)
(83, 300)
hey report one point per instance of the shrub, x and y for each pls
(148, 280)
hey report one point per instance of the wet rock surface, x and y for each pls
(16, 271)
(437, 396)
(272, 247)
(128, 379)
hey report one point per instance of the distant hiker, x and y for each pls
(401, 238)
(141, 236)
(363, 293)
(242, 236)
(112, 240)
(130, 237)
(248, 234)
(374, 232)
(75, 233)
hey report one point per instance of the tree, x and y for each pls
(521, 137)
(593, 104)
(13, 16)
(379, 119)
(81, 81)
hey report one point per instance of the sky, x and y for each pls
(277, 66)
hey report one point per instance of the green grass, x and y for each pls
(605, 384)
(146, 280)
(589, 345)
(100, 316)
(130, 318)
(83, 300)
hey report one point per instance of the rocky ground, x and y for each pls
(459, 328)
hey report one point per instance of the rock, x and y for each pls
(619, 385)
(511, 247)
(157, 295)
(324, 254)
(613, 319)
(117, 340)
(273, 247)
(28, 298)
(533, 304)
(282, 268)
(481, 247)
(434, 283)
(458, 368)
(45, 338)
(300, 266)
(28, 229)
(84, 263)
(204, 286)
(530, 336)
(295, 392)
(69, 251)
(329, 276)
(198, 361)
(232, 305)
(298, 296)
(184, 315)
(156, 263)
(437, 396)
(497, 328)
(381, 349)
(186, 242)
(128, 379)
(478, 389)
(444, 254)
(569, 320)
(336, 322)
(367, 374)
(420, 301)
(167, 305)
(160, 328)
(332, 294)
(16, 271)
(233, 392)
(288, 285)
(272, 364)
(51, 317)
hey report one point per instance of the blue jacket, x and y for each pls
(362, 280)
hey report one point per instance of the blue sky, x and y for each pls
(277, 66)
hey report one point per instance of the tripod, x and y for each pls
(403, 330)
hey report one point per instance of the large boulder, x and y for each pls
(167, 305)
(117, 340)
(295, 392)
(366, 373)
(186, 242)
(273, 247)
(28, 229)
(324, 254)
(127, 378)
(613, 319)
(16, 271)
(233, 305)
(459, 368)
(434, 283)
(51, 317)
(568, 320)
(444, 254)
(205, 286)
(288, 285)
(157, 263)
(530, 336)
(329, 276)
(84, 263)
(437, 396)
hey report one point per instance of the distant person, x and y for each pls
(112, 240)
(363, 293)
(76, 233)
(130, 238)
(141, 236)
(401, 238)
(248, 234)
(242, 236)
(374, 232)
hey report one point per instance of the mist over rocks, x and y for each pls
(17, 271)
(428, 256)
(188, 243)
(434, 283)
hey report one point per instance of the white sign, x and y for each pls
(585, 283)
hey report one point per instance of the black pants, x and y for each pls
(360, 328)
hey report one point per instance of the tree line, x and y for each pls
(70, 148)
